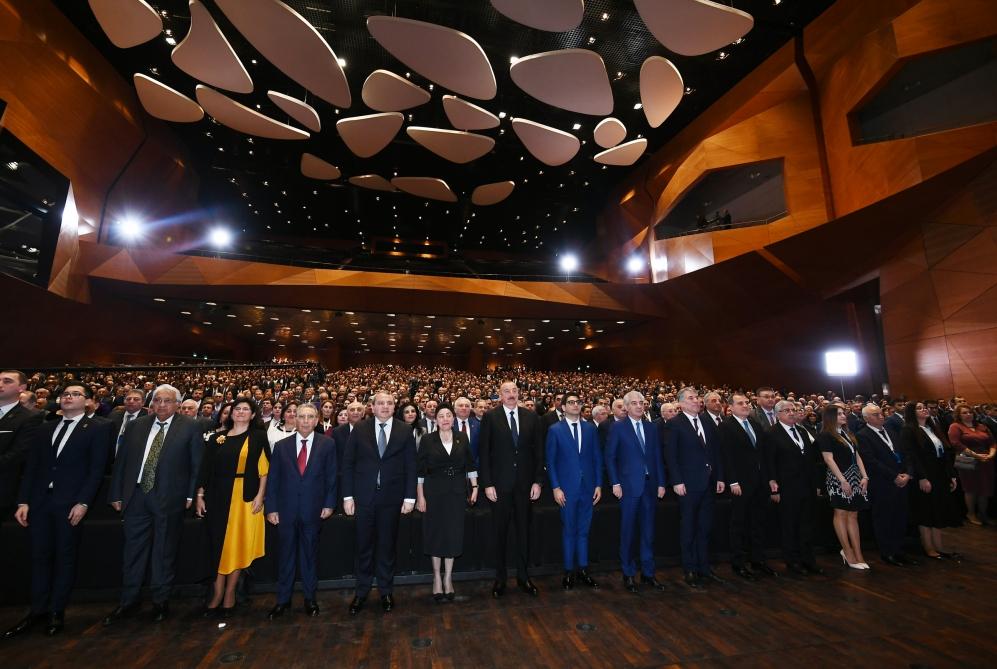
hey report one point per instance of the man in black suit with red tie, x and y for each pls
(379, 484)
(16, 423)
(65, 467)
(511, 470)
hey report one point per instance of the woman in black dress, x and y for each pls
(232, 483)
(932, 506)
(847, 482)
(444, 463)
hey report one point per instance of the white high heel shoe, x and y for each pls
(857, 566)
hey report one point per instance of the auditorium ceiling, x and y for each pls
(485, 127)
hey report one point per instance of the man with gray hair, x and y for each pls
(154, 480)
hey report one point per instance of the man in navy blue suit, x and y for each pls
(64, 469)
(379, 484)
(637, 472)
(574, 467)
(301, 493)
(465, 422)
(695, 468)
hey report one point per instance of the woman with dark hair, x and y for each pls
(932, 501)
(342, 418)
(223, 415)
(326, 418)
(444, 464)
(973, 441)
(285, 427)
(409, 414)
(232, 485)
(847, 482)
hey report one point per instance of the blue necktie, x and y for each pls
(574, 435)
(382, 445)
(640, 437)
(751, 433)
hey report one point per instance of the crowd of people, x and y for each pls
(292, 444)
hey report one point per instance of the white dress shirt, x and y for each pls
(387, 439)
(307, 445)
(69, 431)
(5, 409)
(798, 440)
(575, 427)
(697, 424)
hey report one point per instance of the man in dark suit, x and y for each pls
(511, 470)
(154, 480)
(574, 466)
(464, 422)
(555, 415)
(301, 493)
(889, 473)
(695, 470)
(764, 413)
(795, 470)
(121, 419)
(65, 467)
(637, 474)
(855, 421)
(744, 467)
(16, 423)
(895, 423)
(379, 484)
(340, 435)
(428, 420)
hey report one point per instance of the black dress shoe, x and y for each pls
(583, 577)
(387, 603)
(692, 580)
(56, 621)
(356, 605)
(160, 612)
(712, 576)
(311, 608)
(762, 568)
(438, 597)
(892, 560)
(278, 610)
(630, 583)
(452, 595)
(209, 612)
(951, 556)
(744, 573)
(797, 568)
(498, 589)
(651, 581)
(568, 582)
(813, 569)
(23, 625)
(907, 560)
(226, 612)
(119, 614)
(528, 587)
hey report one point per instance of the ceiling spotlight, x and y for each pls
(689, 90)
(341, 61)
(635, 264)
(638, 106)
(13, 165)
(569, 263)
(501, 114)
(605, 15)
(723, 55)
(591, 40)
(513, 60)
(220, 237)
(576, 126)
(130, 228)
(171, 40)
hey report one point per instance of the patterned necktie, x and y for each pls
(771, 417)
(148, 479)
(751, 433)
(303, 457)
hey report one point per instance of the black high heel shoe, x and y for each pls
(209, 612)
(227, 611)
(450, 595)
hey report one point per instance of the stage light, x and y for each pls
(220, 237)
(569, 263)
(841, 363)
(130, 228)
(635, 264)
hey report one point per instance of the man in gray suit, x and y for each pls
(154, 479)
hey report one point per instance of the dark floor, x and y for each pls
(940, 614)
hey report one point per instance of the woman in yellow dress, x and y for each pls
(233, 481)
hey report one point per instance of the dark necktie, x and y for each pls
(718, 421)
(771, 417)
(148, 479)
(303, 457)
(382, 440)
(695, 425)
(463, 428)
(574, 435)
(638, 428)
(796, 438)
(514, 428)
(59, 437)
(751, 433)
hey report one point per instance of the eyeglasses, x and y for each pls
(72, 394)
(571, 402)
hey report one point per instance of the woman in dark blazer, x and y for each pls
(231, 488)
(932, 502)
(444, 464)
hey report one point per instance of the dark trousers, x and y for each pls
(889, 516)
(377, 537)
(796, 518)
(297, 541)
(512, 506)
(54, 545)
(747, 524)
(696, 509)
(151, 533)
(576, 520)
(637, 517)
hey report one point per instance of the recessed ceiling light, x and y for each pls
(158, 299)
(258, 307)
(185, 313)
(230, 315)
(513, 60)
(638, 106)
(576, 126)
(211, 304)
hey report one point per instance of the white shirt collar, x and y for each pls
(690, 416)
(787, 428)
(301, 437)
(168, 421)
(7, 407)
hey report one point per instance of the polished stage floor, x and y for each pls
(941, 614)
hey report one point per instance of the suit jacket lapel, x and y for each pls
(77, 435)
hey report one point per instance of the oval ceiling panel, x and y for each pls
(609, 132)
(552, 15)
(661, 89)
(314, 167)
(693, 27)
(427, 187)
(548, 145)
(487, 194)
(296, 109)
(372, 181)
(239, 117)
(288, 41)
(207, 56)
(465, 116)
(163, 102)
(127, 23)
(444, 55)
(366, 135)
(454, 145)
(622, 155)
(572, 79)
(386, 91)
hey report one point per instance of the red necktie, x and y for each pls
(463, 427)
(303, 457)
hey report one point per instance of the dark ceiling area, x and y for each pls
(255, 186)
